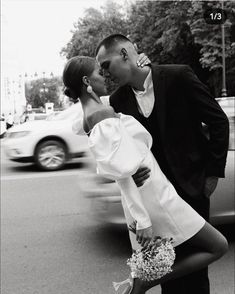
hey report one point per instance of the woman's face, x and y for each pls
(98, 81)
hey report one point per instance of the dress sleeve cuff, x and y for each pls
(143, 224)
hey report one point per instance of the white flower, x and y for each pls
(153, 262)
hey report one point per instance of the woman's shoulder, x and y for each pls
(98, 115)
(101, 113)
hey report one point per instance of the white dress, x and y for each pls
(120, 146)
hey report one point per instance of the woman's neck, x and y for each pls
(90, 102)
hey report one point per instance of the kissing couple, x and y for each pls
(148, 137)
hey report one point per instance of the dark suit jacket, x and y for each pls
(180, 146)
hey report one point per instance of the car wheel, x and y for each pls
(50, 155)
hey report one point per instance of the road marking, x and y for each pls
(46, 175)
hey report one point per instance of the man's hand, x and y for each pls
(210, 186)
(142, 174)
(143, 237)
(143, 60)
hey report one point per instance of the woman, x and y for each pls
(120, 144)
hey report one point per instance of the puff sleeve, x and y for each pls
(114, 149)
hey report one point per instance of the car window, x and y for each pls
(227, 105)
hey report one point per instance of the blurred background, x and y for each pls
(62, 226)
(38, 36)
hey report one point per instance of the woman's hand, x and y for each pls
(144, 236)
(143, 60)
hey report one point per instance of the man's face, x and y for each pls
(114, 65)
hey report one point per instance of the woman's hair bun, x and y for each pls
(67, 92)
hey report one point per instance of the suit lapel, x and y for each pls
(160, 99)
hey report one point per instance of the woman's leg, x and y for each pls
(210, 244)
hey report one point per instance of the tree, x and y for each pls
(162, 30)
(167, 31)
(209, 38)
(93, 27)
(40, 91)
(176, 32)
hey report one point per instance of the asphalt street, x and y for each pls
(50, 244)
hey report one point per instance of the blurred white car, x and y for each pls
(48, 143)
(105, 199)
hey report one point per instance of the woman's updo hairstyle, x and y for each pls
(75, 69)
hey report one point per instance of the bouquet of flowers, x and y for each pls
(154, 261)
(151, 262)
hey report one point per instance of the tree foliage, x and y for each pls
(178, 33)
(40, 91)
(209, 38)
(167, 31)
(93, 27)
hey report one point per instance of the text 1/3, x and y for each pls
(215, 16)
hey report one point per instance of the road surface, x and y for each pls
(51, 245)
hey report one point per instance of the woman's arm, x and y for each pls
(134, 202)
(118, 157)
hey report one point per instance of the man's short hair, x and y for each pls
(112, 40)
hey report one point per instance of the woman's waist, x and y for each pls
(156, 175)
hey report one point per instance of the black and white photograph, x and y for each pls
(117, 147)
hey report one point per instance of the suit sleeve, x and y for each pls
(209, 112)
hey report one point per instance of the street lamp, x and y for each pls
(44, 90)
(223, 91)
(14, 98)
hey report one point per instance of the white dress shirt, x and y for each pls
(145, 99)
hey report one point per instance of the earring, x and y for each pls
(89, 89)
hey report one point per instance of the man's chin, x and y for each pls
(105, 92)
(121, 83)
(118, 82)
(111, 86)
(102, 92)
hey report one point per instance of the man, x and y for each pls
(172, 104)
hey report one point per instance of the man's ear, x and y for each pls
(124, 53)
